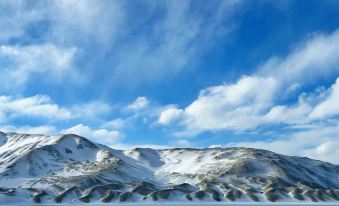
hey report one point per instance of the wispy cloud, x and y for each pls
(114, 124)
(22, 63)
(317, 57)
(91, 110)
(15, 18)
(178, 37)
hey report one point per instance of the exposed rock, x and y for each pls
(232, 194)
(109, 196)
(143, 188)
(59, 197)
(272, 195)
(296, 193)
(199, 194)
(310, 194)
(123, 197)
(38, 194)
(251, 195)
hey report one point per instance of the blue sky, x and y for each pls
(261, 74)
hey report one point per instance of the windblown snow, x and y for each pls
(70, 168)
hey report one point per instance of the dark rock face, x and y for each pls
(144, 188)
(108, 196)
(232, 194)
(123, 197)
(59, 197)
(200, 194)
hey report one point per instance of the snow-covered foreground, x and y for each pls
(71, 169)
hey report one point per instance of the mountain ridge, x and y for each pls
(71, 168)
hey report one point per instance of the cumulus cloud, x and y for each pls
(38, 106)
(330, 106)
(43, 107)
(139, 104)
(226, 108)
(316, 106)
(229, 106)
(103, 136)
(169, 115)
(254, 101)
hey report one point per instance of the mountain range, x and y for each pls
(70, 168)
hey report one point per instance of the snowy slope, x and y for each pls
(70, 168)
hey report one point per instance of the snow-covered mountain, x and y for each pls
(70, 168)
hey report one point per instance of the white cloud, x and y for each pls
(244, 106)
(330, 106)
(103, 136)
(42, 106)
(328, 148)
(22, 63)
(320, 142)
(91, 110)
(67, 19)
(229, 106)
(114, 124)
(45, 129)
(71, 17)
(254, 100)
(169, 115)
(63, 29)
(39, 106)
(315, 58)
(178, 37)
(16, 18)
(292, 114)
(183, 143)
(139, 104)
(2, 116)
